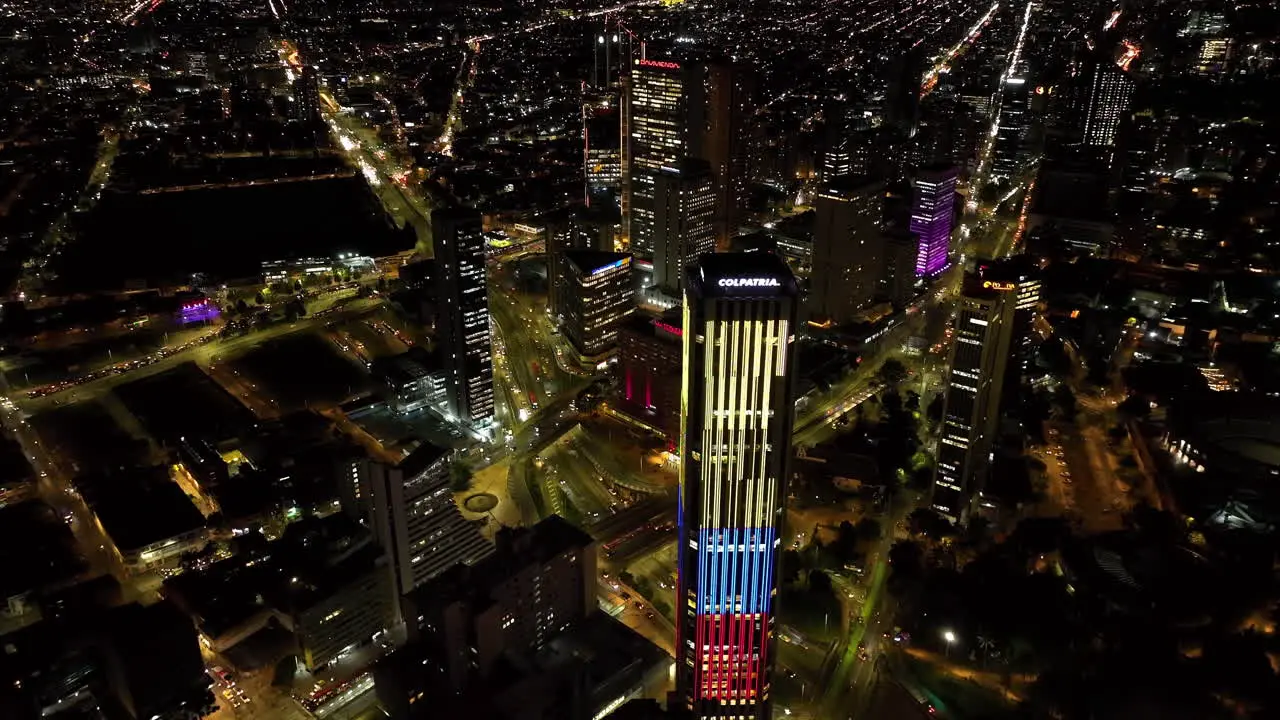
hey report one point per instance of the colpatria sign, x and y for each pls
(749, 282)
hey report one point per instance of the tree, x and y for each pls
(242, 307)
(892, 372)
(1134, 407)
(934, 411)
(1066, 401)
(297, 286)
(258, 299)
(989, 193)
(925, 521)
(868, 529)
(627, 578)
(819, 582)
(460, 476)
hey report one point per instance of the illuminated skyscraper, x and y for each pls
(985, 327)
(684, 205)
(1109, 94)
(599, 294)
(463, 320)
(735, 424)
(933, 206)
(656, 141)
(685, 109)
(1009, 153)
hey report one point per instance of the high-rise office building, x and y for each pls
(933, 205)
(980, 354)
(847, 245)
(655, 140)
(1009, 153)
(306, 95)
(1110, 90)
(601, 147)
(695, 108)
(898, 281)
(740, 315)
(599, 294)
(1021, 275)
(462, 323)
(683, 213)
(414, 517)
(720, 105)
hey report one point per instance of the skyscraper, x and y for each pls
(694, 108)
(1009, 152)
(736, 417)
(683, 210)
(415, 519)
(599, 294)
(655, 140)
(933, 205)
(984, 330)
(847, 245)
(1110, 90)
(601, 151)
(463, 315)
(720, 107)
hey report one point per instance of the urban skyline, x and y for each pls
(639, 360)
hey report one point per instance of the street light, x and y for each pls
(950, 637)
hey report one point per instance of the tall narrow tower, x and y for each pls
(735, 425)
(980, 357)
(463, 322)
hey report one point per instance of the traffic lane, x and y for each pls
(1092, 503)
(202, 354)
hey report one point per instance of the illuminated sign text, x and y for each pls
(748, 282)
(659, 64)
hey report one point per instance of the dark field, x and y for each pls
(303, 368)
(225, 233)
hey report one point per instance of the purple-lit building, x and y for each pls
(193, 311)
(932, 216)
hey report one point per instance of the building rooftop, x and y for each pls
(37, 549)
(140, 507)
(741, 275)
(590, 262)
(515, 549)
(422, 458)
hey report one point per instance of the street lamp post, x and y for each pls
(950, 638)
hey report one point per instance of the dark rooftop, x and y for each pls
(186, 401)
(37, 549)
(742, 275)
(423, 457)
(139, 507)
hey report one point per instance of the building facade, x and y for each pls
(1110, 90)
(649, 361)
(463, 315)
(980, 357)
(537, 582)
(847, 244)
(655, 140)
(684, 210)
(414, 517)
(600, 293)
(933, 204)
(740, 316)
